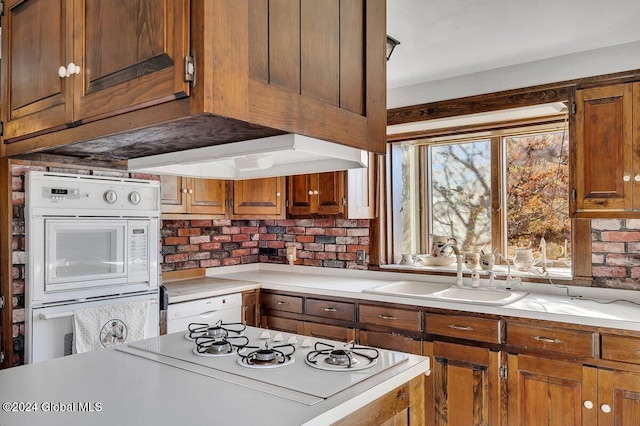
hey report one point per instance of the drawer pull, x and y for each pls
(280, 302)
(387, 317)
(330, 309)
(546, 339)
(461, 328)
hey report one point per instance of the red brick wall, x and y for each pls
(615, 253)
(319, 242)
(188, 244)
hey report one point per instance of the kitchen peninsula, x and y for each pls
(146, 383)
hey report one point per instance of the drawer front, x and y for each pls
(391, 317)
(331, 332)
(391, 342)
(329, 309)
(464, 327)
(283, 303)
(566, 342)
(283, 324)
(621, 348)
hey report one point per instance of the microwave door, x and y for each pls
(82, 253)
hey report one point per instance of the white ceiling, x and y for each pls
(445, 40)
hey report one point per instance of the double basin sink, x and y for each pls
(447, 293)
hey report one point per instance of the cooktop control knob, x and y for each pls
(134, 198)
(110, 196)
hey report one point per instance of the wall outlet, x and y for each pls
(291, 253)
(360, 257)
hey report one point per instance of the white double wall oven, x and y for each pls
(90, 241)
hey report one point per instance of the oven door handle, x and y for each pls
(55, 316)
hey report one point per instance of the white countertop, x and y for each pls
(126, 389)
(545, 301)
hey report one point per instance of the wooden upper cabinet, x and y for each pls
(606, 139)
(119, 58)
(258, 199)
(316, 194)
(317, 59)
(192, 196)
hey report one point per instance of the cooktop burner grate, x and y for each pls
(266, 357)
(213, 346)
(348, 357)
(219, 330)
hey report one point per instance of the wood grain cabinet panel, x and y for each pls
(618, 401)
(331, 332)
(192, 196)
(282, 324)
(550, 392)
(463, 327)
(279, 302)
(620, 348)
(344, 311)
(607, 155)
(118, 59)
(567, 342)
(392, 342)
(258, 198)
(404, 319)
(464, 385)
(316, 194)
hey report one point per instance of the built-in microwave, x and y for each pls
(89, 237)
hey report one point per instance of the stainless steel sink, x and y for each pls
(447, 293)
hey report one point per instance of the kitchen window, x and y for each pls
(492, 191)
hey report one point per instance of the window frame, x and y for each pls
(580, 229)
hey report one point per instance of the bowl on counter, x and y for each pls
(429, 260)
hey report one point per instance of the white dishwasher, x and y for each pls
(227, 308)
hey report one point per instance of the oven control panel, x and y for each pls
(79, 192)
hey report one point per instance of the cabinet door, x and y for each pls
(172, 197)
(258, 198)
(550, 392)
(251, 308)
(131, 55)
(302, 201)
(604, 138)
(36, 41)
(618, 398)
(207, 196)
(463, 388)
(331, 193)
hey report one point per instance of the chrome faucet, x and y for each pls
(456, 250)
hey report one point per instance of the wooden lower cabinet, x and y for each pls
(389, 341)
(618, 401)
(550, 392)
(251, 308)
(402, 406)
(464, 385)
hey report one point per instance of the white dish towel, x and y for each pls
(109, 325)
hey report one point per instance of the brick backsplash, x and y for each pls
(615, 253)
(319, 242)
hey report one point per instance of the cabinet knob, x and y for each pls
(62, 71)
(72, 69)
(184, 190)
(605, 408)
(277, 194)
(588, 405)
(310, 192)
(190, 191)
(315, 192)
(626, 178)
(636, 178)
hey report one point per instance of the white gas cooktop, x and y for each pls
(297, 380)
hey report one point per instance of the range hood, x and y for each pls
(283, 155)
